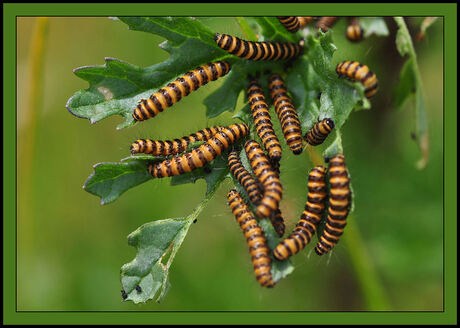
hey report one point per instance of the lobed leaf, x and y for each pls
(110, 180)
(117, 87)
(157, 243)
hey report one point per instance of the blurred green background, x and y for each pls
(70, 248)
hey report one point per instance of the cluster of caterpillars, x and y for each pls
(263, 185)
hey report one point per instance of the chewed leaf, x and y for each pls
(117, 87)
(110, 180)
(157, 243)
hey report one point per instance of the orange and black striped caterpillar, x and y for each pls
(172, 147)
(277, 221)
(311, 216)
(262, 121)
(251, 186)
(254, 237)
(291, 23)
(286, 113)
(362, 73)
(200, 156)
(244, 178)
(305, 20)
(294, 23)
(324, 23)
(257, 50)
(339, 204)
(178, 89)
(268, 178)
(354, 31)
(319, 132)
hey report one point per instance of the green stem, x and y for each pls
(28, 132)
(368, 280)
(246, 29)
(421, 121)
(371, 287)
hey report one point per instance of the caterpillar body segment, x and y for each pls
(319, 132)
(181, 87)
(339, 204)
(354, 32)
(277, 221)
(291, 23)
(356, 71)
(244, 177)
(172, 147)
(304, 20)
(258, 50)
(310, 218)
(324, 23)
(255, 238)
(263, 122)
(200, 156)
(287, 114)
(268, 178)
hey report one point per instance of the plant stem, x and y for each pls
(371, 286)
(28, 130)
(421, 122)
(373, 292)
(246, 29)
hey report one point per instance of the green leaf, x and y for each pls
(272, 30)
(410, 84)
(374, 25)
(315, 74)
(157, 243)
(110, 180)
(405, 87)
(213, 173)
(117, 87)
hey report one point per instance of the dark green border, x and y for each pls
(449, 316)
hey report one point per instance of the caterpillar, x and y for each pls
(269, 179)
(286, 113)
(291, 23)
(311, 216)
(319, 132)
(262, 121)
(362, 73)
(178, 89)
(253, 190)
(326, 22)
(339, 203)
(244, 177)
(255, 239)
(304, 21)
(172, 147)
(257, 50)
(354, 31)
(278, 222)
(200, 156)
